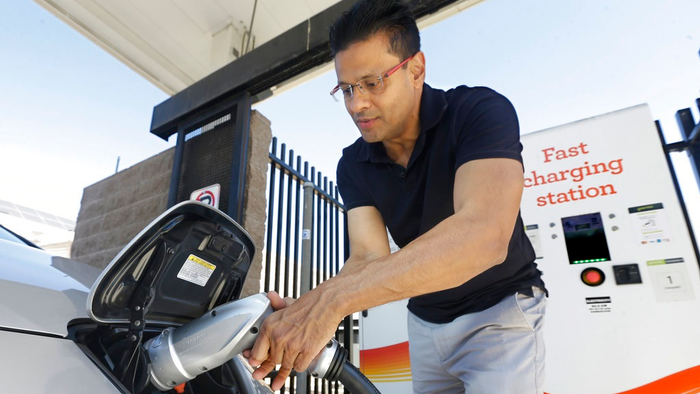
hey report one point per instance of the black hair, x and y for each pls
(369, 17)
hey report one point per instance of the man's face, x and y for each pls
(391, 113)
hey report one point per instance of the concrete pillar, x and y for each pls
(255, 200)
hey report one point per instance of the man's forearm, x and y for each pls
(450, 254)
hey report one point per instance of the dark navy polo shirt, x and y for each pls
(456, 126)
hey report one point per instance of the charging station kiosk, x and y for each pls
(617, 257)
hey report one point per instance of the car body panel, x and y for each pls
(36, 295)
(49, 338)
(41, 364)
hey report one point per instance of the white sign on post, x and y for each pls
(208, 195)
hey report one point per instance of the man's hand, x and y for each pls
(292, 336)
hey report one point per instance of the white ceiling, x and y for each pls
(174, 43)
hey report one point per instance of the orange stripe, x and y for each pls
(386, 361)
(380, 363)
(683, 382)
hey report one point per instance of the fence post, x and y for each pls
(306, 242)
(307, 238)
(690, 132)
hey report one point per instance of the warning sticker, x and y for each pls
(599, 304)
(196, 270)
(650, 223)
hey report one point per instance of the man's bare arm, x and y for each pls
(487, 197)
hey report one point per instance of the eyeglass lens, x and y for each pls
(367, 85)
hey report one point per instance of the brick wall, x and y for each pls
(117, 208)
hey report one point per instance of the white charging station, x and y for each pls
(612, 241)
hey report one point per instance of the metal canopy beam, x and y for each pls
(292, 53)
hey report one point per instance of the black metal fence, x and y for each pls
(689, 143)
(305, 239)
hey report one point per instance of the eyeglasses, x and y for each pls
(373, 84)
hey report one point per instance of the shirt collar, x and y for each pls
(432, 106)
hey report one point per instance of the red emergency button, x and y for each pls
(592, 276)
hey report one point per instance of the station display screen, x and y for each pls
(585, 239)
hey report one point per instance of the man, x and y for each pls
(442, 171)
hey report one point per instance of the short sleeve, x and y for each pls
(489, 129)
(349, 186)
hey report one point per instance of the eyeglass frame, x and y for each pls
(357, 84)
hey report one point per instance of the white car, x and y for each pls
(59, 336)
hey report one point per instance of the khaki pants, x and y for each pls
(498, 350)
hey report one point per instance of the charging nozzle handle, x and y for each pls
(331, 364)
(327, 364)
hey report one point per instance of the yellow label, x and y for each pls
(201, 262)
